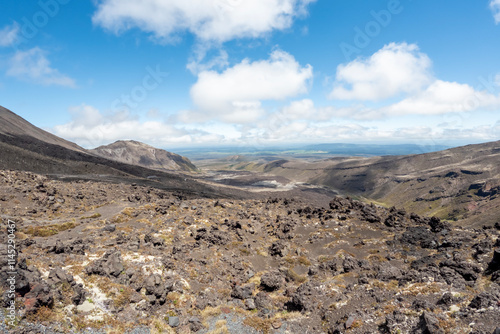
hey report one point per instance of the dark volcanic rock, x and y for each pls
(195, 324)
(263, 301)
(271, 281)
(305, 298)
(438, 225)
(213, 236)
(494, 265)
(243, 292)
(278, 248)
(76, 246)
(58, 275)
(350, 263)
(387, 272)
(469, 271)
(155, 241)
(109, 265)
(429, 324)
(419, 236)
(484, 300)
(447, 299)
(369, 213)
(40, 295)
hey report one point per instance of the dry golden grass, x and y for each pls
(262, 325)
(299, 279)
(48, 230)
(93, 216)
(376, 258)
(220, 328)
(43, 314)
(130, 212)
(304, 261)
(119, 219)
(160, 326)
(422, 288)
(211, 312)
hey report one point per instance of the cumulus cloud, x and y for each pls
(236, 94)
(444, 97)
(306, 110)
(33, 66)
(395, 69)
(401, 72)
(91, 128)
(208, 20)
(9, 34)
(495, 7)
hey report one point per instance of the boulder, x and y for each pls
(429, 324)
(109, 265)
(243, 291)
(271, 281)
(40, 295)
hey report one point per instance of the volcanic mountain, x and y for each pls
(14, 126)
(25, 147)
(137, 153)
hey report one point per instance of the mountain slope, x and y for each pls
(25, 147)
(16, 126)
(137, 153)
(458, 184)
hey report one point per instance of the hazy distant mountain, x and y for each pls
(137, 153)
(375, 149)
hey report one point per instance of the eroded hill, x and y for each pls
(137, 153)
(460, 184)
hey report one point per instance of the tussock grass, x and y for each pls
(48, 230)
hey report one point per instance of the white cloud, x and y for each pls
(395, 69)
(90, 128)
(209, 20)
(306, 110)
(439, 98)
(236, 94)
(196, 64)
(444, 97)
(401, 72)
(33, 66)
(9, 34)
(495, 7)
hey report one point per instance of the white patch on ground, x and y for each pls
(97, 307)
(151, 264)
(86, 307)
(185, 284)
(45, 273)
(340, 304)
(136, 257)
(272, 186)
(166, 231)
(69, 267)
(92, 257)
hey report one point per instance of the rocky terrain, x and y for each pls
(137, 153)
(114, 258)
(460, 184)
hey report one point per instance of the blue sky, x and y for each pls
(183, 73)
